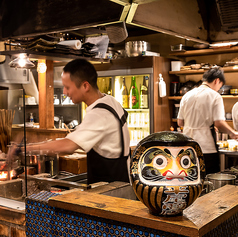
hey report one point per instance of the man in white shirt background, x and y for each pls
(200, 110)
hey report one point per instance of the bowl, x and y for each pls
(167, 172)
(135, 48)
(225, 90)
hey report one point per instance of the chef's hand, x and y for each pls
(12, 154)
(234, 135)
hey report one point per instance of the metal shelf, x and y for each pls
(56, 57)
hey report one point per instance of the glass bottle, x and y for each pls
(103, 85)
(109, 89)
(134, 95)
(31, 118)
(144, 95)
(124, 94)
(99, 83)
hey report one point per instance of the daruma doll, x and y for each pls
(167, 172)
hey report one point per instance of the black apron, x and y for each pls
(104, 169)
(212, 128)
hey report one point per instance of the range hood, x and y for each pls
(202, 21)
(12, 75)
(31, 18)
(227, 11)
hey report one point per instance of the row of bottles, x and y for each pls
(140, 119)
(137, 135)
(134, 100)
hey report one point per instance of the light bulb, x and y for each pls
(22, 62)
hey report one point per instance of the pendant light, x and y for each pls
(22, 62)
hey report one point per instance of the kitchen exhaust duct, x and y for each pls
(117, 32)
(228, 14)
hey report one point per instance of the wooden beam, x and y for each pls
(46, 95)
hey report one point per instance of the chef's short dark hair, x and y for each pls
(213, 74)
(82, 70)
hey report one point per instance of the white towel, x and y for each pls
(75, 44)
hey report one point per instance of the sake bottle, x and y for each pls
(144, 95)
(109, 88)
(103, 86)
(134, 95)
(124, 94)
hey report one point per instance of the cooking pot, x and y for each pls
(220, 180)
(135, 48)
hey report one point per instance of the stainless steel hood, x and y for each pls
(12, 75)
(23, 18)
(18, 76)
(203, 21)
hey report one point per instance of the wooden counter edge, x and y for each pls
(134, 212)
(123, 210)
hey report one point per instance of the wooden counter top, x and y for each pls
(203, 215)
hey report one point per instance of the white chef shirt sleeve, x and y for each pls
(91, 130)
(235, 115)
(181, 109)
(218, 109)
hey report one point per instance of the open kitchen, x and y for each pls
(147, 55)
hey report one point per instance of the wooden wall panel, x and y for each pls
(161, 113)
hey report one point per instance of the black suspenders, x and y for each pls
(122, 120)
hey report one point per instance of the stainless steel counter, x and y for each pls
(223, 156)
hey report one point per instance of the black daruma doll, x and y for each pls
(167, 172)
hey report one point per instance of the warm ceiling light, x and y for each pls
(41, 67)
(21, 62)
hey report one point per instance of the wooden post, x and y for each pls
(46, 95)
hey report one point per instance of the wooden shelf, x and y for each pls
(200, 71)
(65, 106)
(228, 121)
(223, 96)
(202, 52)
(174, 97)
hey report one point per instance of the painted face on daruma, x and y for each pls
(169, 166)
(167, 172)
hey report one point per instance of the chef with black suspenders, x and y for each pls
(103, 133)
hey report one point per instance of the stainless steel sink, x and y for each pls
(126, 192)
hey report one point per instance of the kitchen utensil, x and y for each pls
(135, 48)
(174, 88)
(207, 187)
(180, 47)
(225, 90)
(195, 66)
(183, 90)
(72, 124)
(220, 180)
(201, 46)
(176, 110)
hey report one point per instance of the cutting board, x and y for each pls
(76, 163)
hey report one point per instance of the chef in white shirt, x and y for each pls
(200, 110)
(235, 115)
